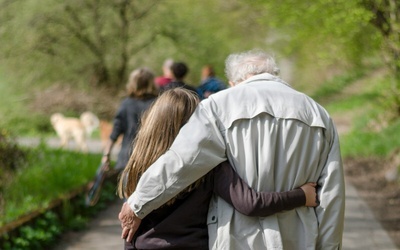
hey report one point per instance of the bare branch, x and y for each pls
(137, 15)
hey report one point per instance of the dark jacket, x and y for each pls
(126, 122)
(209, 86)
(177, 84)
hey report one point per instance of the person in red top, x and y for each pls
(182, 222)
(167, 76)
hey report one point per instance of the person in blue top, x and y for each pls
(210, 84)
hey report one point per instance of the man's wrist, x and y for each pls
(135, 207)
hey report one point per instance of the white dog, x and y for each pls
(73, 128)
(90, 121)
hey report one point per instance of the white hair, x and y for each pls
(239, 67)
(168, 63)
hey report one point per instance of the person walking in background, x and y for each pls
(179, 72)
(210, 84)
(182, 222)
(167, 76)
(141, 93)
(276, 138)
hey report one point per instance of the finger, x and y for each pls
(121, 214)
(317, 200)
(125, 232)
(120, 219)
(130, 236)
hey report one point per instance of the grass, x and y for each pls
(363, 107)
(50, 174)
(336, 85)
(363, 143)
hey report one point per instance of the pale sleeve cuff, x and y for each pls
(136, 206)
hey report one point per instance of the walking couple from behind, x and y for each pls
(268, 140)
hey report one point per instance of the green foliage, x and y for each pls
(44, 231)
(75, 41)
(362, 142)
(336, 85)
(15, 115)
(34, 125)
(372, 131)
(337, 36)
(324, 38)
(81, 44)
(51, 173)
(37, 235)
(41, 233)
(96, 43)
(11, 156)
(353, 103)
(329, 25)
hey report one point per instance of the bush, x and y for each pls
(11, 156)
(11, 159)
(51, 173)
(51, 189)
(40, 234)
(44, 231)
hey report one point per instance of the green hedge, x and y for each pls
(48, 175)
(45, 193)
(44, 231)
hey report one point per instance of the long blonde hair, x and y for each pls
(159, 126)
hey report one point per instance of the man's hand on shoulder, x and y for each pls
(129, 222)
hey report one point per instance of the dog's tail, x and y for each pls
(89, 121)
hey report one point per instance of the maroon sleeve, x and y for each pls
(230, 187)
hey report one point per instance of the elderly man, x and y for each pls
(284, 139)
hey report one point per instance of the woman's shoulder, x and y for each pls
(143, 99)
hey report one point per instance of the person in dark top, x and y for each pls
(210, 84)
(141, 93)
(179, 72)
(182, 222)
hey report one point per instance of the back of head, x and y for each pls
(179, 70)
(207, 71)
(159, 126)
(169, 113)
(141, 83)
(239, 67)
(168, 63)
(167, 68)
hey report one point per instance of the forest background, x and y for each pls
(77, 47)
(73, 56)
